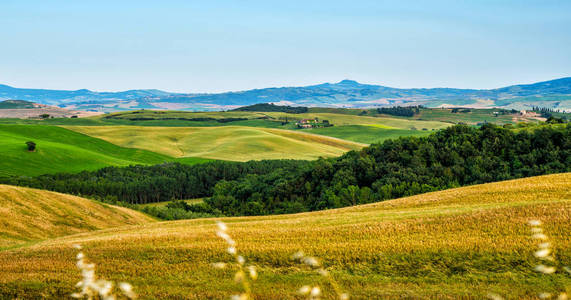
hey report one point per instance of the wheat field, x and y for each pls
(28, 215)
(236, 143)
(464, 242)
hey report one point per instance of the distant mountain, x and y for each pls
(60, 96)
(346, 93)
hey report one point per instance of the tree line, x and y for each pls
(270, 107)
(548, 112)
(149, 184)
(402, 111)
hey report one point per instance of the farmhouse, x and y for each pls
(312, 123)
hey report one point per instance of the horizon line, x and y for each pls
(277, 87)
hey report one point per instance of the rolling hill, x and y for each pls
(62, 150)
(464, 242)
(346, 93)
(352, 127)
(29, 215)
(264, 119)
(236, 143)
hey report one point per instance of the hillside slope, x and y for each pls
(30, 215)
(62, 150)
(235, 143)
(464, 242)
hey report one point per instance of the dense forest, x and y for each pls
(148, 184)
(457, 156)
(402, 111)
(269, 107)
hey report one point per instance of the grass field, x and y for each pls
(430, 118)
(347, 125)
(234, 143)
(62, 150)
(464, 242)
(337, 117)
(473, 117)
(29, 215)
(368, 134)
(334, 117)
(346, 119)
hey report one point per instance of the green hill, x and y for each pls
(62, 150)
(235, 143)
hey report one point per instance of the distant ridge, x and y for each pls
(554, 94)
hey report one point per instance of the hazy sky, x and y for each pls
(208, 46)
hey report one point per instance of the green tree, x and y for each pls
(31, 146)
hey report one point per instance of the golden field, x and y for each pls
(236, 143)
(464, 242)
(28, 215)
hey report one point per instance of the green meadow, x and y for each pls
(235, 143)
(62, 150)
(368, 134)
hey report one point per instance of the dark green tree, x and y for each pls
(31, 146)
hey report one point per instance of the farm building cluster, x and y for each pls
(312, 123)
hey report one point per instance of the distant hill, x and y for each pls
(17, 104)
(23, 109)
(269, 107)
(31, 215)
(62, 96)
(554, 94)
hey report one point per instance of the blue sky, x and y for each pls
(210, 46)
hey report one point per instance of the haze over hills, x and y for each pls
(554, 94)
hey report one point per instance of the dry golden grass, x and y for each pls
(464, 242)
(28, 215)
(236, 143)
